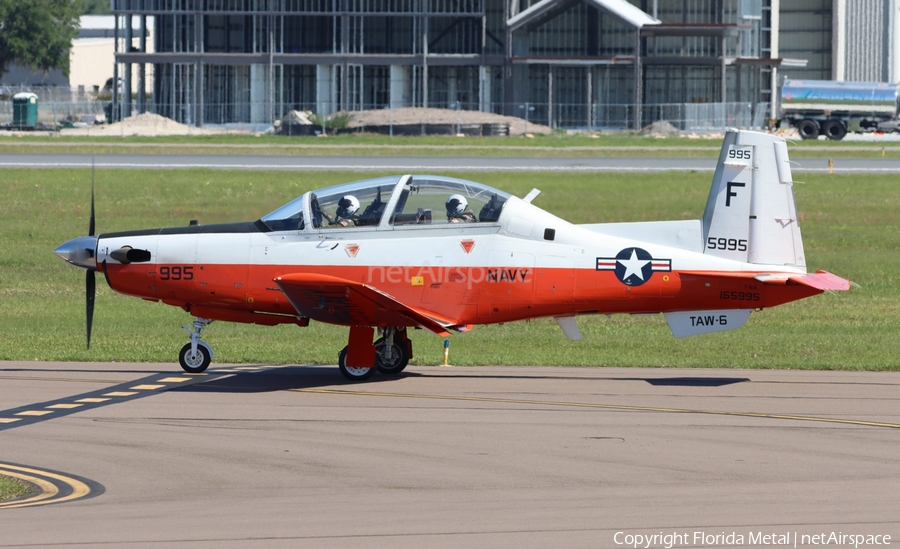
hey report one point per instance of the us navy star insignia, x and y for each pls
(633, 266)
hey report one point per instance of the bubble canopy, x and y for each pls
(386, 202)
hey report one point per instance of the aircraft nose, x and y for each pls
(79, 252)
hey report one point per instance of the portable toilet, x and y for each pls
(25, 109)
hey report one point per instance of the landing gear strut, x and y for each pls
(196, 355)
(392, 351)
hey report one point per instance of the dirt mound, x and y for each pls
(661, 128)
(417, 115)
(147, 124)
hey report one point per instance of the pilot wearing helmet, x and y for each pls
(457, 210)
(346, 214)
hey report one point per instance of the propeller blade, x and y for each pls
(91, 225)
(90, 281)
(90, 284)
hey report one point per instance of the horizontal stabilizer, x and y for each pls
(820, 280)
(338, 301)
(688, 323)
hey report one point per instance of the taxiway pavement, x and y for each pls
(294, 456)
(423, 164)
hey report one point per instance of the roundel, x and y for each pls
(633, 266)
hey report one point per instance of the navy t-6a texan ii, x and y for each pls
(384, 255)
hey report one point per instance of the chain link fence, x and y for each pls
(65, 108)
(56, 105)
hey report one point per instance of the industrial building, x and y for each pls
(564, 63)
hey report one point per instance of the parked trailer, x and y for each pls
(831, 108)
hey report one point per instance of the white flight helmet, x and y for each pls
(456, 205)
(347, 206)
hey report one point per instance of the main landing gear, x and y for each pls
(196, 355)
(391, 353)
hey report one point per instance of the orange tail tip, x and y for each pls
(820, 280)
(823, 280)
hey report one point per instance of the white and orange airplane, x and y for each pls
(421, 251)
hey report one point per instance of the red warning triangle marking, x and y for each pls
(467, 245)
(352, 249)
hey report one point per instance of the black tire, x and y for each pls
(351, 372)
(834, 129)
(399, 357)
(808, 129)
(194, 364)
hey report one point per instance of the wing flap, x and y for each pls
(339, 301)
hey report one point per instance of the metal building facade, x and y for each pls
(845, 40)
(566, 63)
(865, 40)
(806, 33)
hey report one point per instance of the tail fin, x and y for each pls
(750, 215)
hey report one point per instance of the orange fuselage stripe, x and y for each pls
(474, 295)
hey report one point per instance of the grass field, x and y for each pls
(11, 488)
(851, 226)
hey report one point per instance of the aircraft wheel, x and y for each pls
(399, 357)
(834, 130)
(808, 129)
(194, 364)
(353, 373)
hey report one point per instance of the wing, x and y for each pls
(338, 301)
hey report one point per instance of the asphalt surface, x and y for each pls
(293, 456)
(421, 164)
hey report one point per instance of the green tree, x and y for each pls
(38, 33)
(97, 7)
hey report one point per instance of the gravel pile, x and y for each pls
(146, 124)
(661, 128)
(149, 124)
(416, 115)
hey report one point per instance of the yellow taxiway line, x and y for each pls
(49, 492)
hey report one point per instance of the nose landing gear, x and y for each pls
(196, 355)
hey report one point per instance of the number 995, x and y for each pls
(176, 272)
